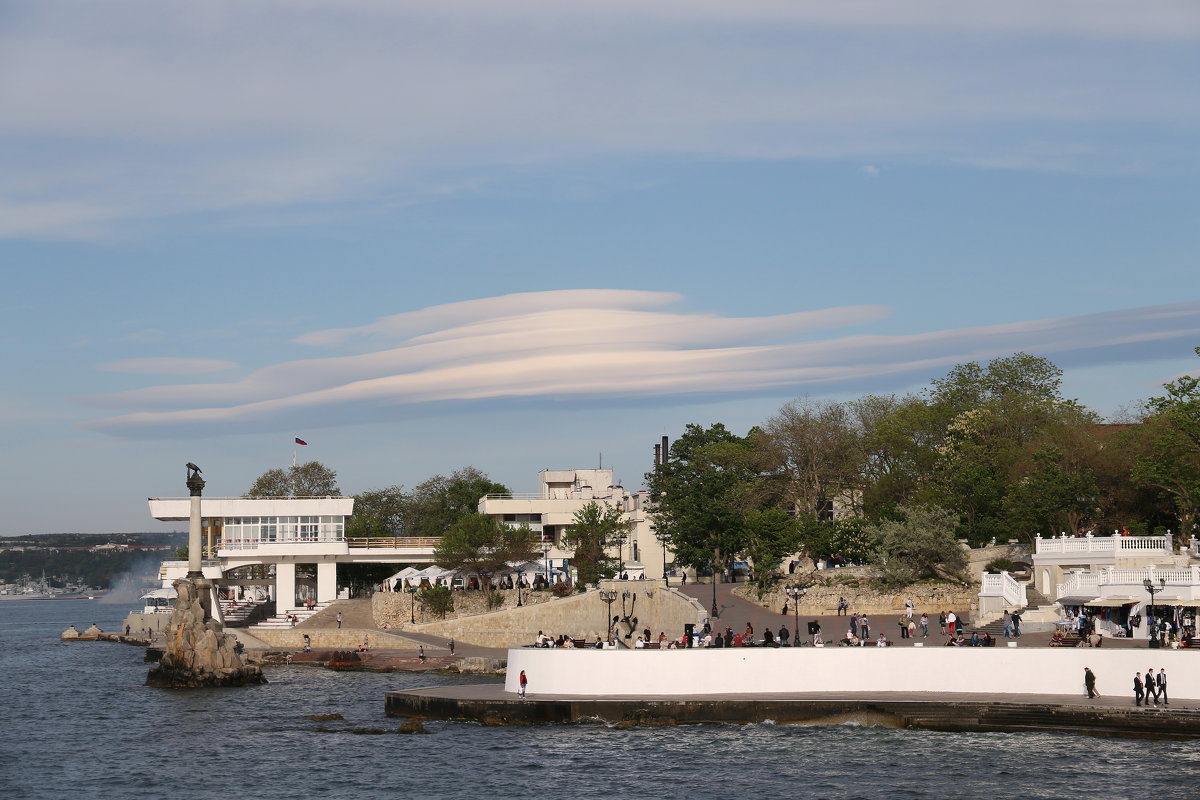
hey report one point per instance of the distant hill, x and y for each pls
(89, 559)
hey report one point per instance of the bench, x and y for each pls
(1066, 641)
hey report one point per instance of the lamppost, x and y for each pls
(546, 556)
(608, 597)
(520, 580)
(794, 592)
(716, 612)
(663, 536)
(412, 612)
(1153, 590)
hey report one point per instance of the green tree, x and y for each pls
(313, 479)
(818, 447)
(485, 546)
(700, 496)
(437, 503)
(594, 529)
(436, 600)
(1171, 462)
(378, 512)
(920, 544)
(1054, 496)
(771, 536)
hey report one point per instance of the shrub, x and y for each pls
(436, 600)
(495, 600)
(562, 590)
(1000, 565)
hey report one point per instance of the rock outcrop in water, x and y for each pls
(198, 653)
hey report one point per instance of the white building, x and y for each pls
(550, 510)
(1108, 575)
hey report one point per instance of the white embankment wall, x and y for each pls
(769, 671)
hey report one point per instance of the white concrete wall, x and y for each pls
(990, 670)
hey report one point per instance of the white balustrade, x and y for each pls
(1003, 585)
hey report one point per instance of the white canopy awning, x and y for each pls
(168, 593)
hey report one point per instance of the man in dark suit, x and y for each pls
(1162, 686)
(1137, 689)
(1151, 688)
(1089, 682)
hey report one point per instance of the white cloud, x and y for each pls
(870, 170)
(323, 102)
(592, 345)
(167, 366)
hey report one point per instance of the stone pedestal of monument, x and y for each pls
(198, 653)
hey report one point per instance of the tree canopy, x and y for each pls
(312, 479)
(595, 529)
(485, 546)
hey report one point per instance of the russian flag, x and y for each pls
(300, 441)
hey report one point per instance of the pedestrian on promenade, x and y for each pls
(1007, 618)
(908, 607)
(864, 628)
(1151, 687)
(524, 682)
(942, 621)
(854, 624)
(951, 622)
(421, 653)
(1137, 689)
(1016, 621)
(912, 629)
(1162, 686)
(783, 637)
(924, 626)
(452, 644)
(1089, 682)
(903, 623)
(339, 619)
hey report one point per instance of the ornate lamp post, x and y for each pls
(794, 592)
(663, 536)
(546, 556)
(520, 580)
(1155, 632)
(608, 597)
(412, 612)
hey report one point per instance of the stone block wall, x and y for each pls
(331, 638)
(579, 616)
(823, 600)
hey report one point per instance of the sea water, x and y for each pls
(77, 723)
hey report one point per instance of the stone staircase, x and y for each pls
(1038, 608)
(284, 620)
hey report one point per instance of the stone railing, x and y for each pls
(1005, 586)
(1080, 583)
(1103, 544)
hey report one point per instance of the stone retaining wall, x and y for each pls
(823, 600)
(579, 616)
(331, 638)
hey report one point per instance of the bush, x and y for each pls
(562, 590)
(998, 565)
(495, 600)
(436, 600)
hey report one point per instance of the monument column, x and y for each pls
(326, 581)
(195, 486)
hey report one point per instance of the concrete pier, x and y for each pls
(491, 705)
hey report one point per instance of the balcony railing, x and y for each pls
(1104, 544)
(422, 542)
(1083, 584)
(253, 543)
(1003, 585)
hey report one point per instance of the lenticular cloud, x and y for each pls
(592, 345)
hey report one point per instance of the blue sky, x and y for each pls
(531, 234)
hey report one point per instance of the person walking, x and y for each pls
(854, 624)
(451, 645)
(908, 607)
(942, 621)
(951, 622)
(903, 623)
(524, 683)
(1007, 619)
(1162, 686)
(1089, 682)
(864, 628)
(421, 653)
(1151, 687)
(924, 626)
(1016, 621)
(339, 619)
(1137, 689)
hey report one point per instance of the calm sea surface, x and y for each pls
(77, 723)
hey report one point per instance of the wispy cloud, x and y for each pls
(167, 366)
(316, 102)
(592, 345)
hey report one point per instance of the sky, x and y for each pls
(525, 235)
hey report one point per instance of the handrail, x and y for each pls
(393, 541)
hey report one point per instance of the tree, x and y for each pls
(438, 502)
(313, 479)
(436, 600)
(818, 447)
(594, 529)
(1051, 497)
(771, 536)
(1172, 461)
(378, 512)
(483, 545)
(701, 494)
(921, 544)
